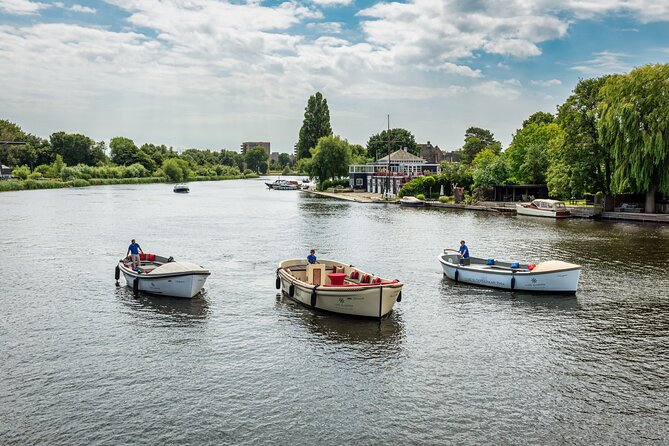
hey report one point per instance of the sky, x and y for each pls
(211, 74)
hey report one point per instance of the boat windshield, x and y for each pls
(560, 206)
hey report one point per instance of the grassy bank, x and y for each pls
(14, 185)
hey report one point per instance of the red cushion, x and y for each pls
(365, 278)
(151, 257)
(377, 280)
(142, 257)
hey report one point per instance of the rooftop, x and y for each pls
(401, 155)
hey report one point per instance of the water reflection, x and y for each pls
(172, 309)
(387, 334)
(562, 302)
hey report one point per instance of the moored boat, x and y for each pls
(163, 276)
(181, 188)
(544, 208)
(283, 185)
(551, 276)
(411, 202)
(338, 287)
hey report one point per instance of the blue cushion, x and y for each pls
(515, 265)
(490, 262)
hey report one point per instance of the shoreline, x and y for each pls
(23, 185)
(582, 212)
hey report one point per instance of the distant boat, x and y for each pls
(552, 276)
(544, 208)
(181, 188)
(412, 202)
(283, 185)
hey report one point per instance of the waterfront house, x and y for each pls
(5, 172)
(387, 176)
(431, 154)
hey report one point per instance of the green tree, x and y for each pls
(56, 167)
(316, 124)
(377, 145)
(634, 124)
(175, 169)
(76, 148)
(21, 172)
(490, 170)
(585, 165)
(284, 160)
(527, 155)
(476, 140)
(330, 158)
(539, 118)
(256, 160)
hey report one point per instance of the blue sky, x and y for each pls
(211, 74)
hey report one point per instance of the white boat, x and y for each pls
(181, 188)
(338, 287)
(411, 202)
(283, 185)
(544, 208)
(163, 276)
(551, 276)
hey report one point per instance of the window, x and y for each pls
(358, 181)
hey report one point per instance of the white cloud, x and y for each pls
(546, 83)
(327, 3)
(21, 7)
(449, 67)
(326, 27)
(604, 62)
(82, 9)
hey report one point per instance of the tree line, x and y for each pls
(69, 156)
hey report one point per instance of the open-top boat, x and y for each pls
(338, 288)
(163, 275)
(412, 202)
(551, 276)
(181, 188)
(544, 208)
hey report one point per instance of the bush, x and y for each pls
(35, 176)
(21, 172)
(11, 185)
(136, 171)
(327, 184)
(68, 173)
(175, 170)
(80, 183)
(445, 199)
(43, 169)
(420, 196)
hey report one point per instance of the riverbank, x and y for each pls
(589, 212)
(18, 185)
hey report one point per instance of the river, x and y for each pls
(84, 362)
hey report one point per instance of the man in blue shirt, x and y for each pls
(311, 258)
(134, 249)
(464, 253)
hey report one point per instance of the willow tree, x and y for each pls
(634, 125)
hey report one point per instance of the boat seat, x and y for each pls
(316, 274)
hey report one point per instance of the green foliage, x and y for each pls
(80, 183)
(579, 162)
(330, 158)
(175, 169)
(76, 148)
(377, 145)
(541, 118)
(490, 170)
(285, 171)
(56, 167)
(35, 176)
(420, 196)
(316, 124)
(527, 155)
(10, 185)
(256, 160)
(284, 160)
(21, 172)
(327, 184)
(445, 199)
(454, 175)
(477, 139)
(634, 124)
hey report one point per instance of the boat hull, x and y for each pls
(522, 210)
(186, 286)
(565, 281)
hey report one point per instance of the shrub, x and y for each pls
(445, 199)
(175, 169)
(68, 173)
(21, 172)
(35, 176)
(420, 196)
(136, 171)
(80, 183)
(43, 169)
(6, 186)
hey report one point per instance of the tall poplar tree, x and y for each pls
(316, 124)
(634, 125)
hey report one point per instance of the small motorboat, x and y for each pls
(283, 185)
(412, 202)
(163, 276)
(181, 188)
(551, 276)
(544, 208)
(338, 287)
